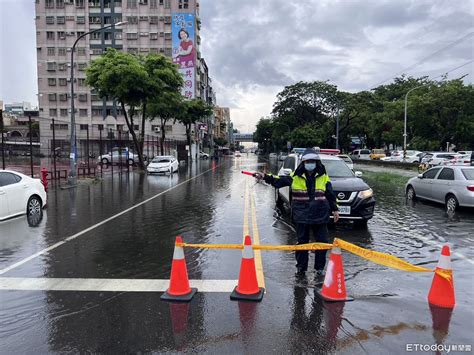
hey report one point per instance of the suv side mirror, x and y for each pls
(286, 172)
(420, 176)
(358, 173)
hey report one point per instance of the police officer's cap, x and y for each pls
(310, 154)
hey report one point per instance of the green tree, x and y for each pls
(164, 101)
(195, 110)
(263, 133)
(120, 76)
(219, 141)
(307, 136)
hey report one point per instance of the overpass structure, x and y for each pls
(243, 137)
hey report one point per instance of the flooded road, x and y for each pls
(124, 227)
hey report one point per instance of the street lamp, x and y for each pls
(72, 179)
(405, 122)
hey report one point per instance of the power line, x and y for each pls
(449, 71)
(425, 58)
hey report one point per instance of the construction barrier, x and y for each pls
(441, 293)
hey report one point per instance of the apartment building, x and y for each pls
(149, 29)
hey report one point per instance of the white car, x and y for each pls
(203, 155)
(436, 158)
(163, 164)
(362, 154)
(118, 156)
(20, 194)
(347, 160)
(452, 186)
(237, 153)
(462, 159)
(412, 156)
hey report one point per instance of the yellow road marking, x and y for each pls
(256, 241)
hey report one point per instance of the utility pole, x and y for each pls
(405, 122)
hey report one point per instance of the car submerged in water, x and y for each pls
(355, 198)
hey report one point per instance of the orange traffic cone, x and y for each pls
(442, 290)
(334, 286)
(179, 289)
(247, 288)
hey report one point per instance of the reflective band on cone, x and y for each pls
(247, 289)
(334, 286)
(442, 290)
(179, 289)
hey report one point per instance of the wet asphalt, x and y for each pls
(390, 308)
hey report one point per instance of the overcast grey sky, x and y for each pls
(255, 47)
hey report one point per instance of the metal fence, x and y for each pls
(100, 149)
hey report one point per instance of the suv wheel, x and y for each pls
(451, 203)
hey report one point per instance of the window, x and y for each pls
(153, 50)
(63, 112)
(59, 4)
(80, 3)
(8, 178)
(132, 50)
(446, 174)
(95, 97)
(143, 34)
(183, 4)
(81, 66)
(107, 36)
(81, 20)
(96, 35)
(118, 35)
(83, 113)
(131, 4)
(61, 126)
(107, 20)
(153, 4)
(82, 97)
(97, 51)
(81, 51)
(81, 82)
(51, 66)
(50, 20)
(60, 20)
(132, 35)
(69, 18)
(62, 66)
(52, 81)
(62, 51)
(52, 97)
(62, 81)
(167, 19)
(62, 97)
(80, 33)
(143, 2)
(94, 19)
(289, 163)
(153, 19)
(61, 35)
(51, 51)
(167, 4)
(168, 51)
(430, 174)
(49, 4)
(50, 35)
(153, 35)
(143, 18)
(167, 35)
(132, 19)
(96, 112)
(53, 112)
(94, 3)
(162, 34)
(161, 2)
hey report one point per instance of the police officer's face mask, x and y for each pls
(310, 166)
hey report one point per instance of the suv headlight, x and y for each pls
(366, 193)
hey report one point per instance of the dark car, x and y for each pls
(355, 198)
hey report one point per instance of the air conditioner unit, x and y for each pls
(157, 129)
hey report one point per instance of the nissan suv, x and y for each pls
(354, 197)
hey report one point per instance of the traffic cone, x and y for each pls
(334, 286)
(442, 290)
(179, 289)
(247, 289)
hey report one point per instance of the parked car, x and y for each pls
(436, 158)
(360, 154)
(203, 155)
(118, 155)
(462, 159)
(412, 156)
(347, 160)
(237, 154)
(355, 198)
(376, 154)
(163, 164)
(20, 194)
(273, 156)
(452, 186)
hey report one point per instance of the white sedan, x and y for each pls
(20, 194)
(163, 164)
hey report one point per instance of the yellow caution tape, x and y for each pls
(308, 246)
(386, 259)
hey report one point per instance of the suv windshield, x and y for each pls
(160, 160)
(337, 168)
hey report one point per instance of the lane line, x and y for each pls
(72, 237)
(256, 241)
(107, 285)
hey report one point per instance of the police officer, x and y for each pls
(312, 202)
